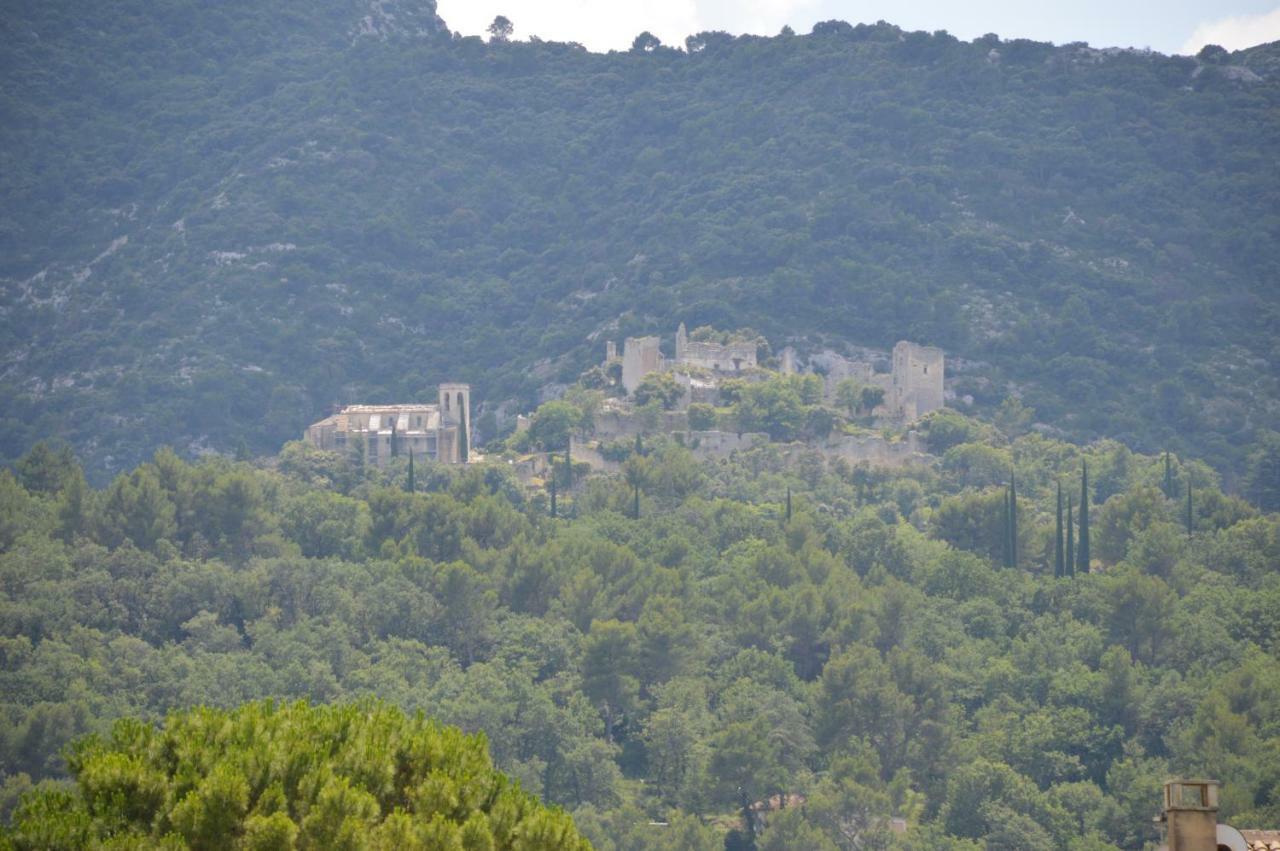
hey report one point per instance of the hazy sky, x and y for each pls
(1169, 26)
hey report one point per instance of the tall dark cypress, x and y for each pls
(568, 465)
(1013, 521)
(788, 503)
(1004, 528)
(464, 438)
(1071, 542)
(553, 490)
(411, 487)
(1059, 566)
(1190, 517)
(636, 506)
(1082, 552)
(1168, 477)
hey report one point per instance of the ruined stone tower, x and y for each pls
(640, 356)
(916, 386)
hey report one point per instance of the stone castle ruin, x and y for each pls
(384, 432)
(643, 355)
(640, 356)
(916, 381)
(913, 387)
(731, 357)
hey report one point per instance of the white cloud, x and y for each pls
(614, 24)
(1236, 32)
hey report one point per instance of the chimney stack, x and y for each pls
(1191, 812)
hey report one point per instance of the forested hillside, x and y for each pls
(678, 643)
(220, 219)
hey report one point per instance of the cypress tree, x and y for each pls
(553, 490)
(1004, 528)
(1190, 516)
(788, 503)
(568, 465)
(1059, 567)
(1082, 553)
(411, 485)
(1168, 477)
(1013, 521)
(636, 507)
(1070, 564)
(464, 439)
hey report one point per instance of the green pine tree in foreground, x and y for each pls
(289, 775)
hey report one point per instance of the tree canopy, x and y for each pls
(770, 626)
(273, 776)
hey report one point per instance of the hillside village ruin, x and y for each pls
(910, 385)
(440, 432)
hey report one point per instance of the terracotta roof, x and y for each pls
(1262, 840)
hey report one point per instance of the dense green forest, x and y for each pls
(681, 641)
(220, 219)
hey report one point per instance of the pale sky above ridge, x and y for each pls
(1171, 26)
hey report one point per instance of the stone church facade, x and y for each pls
(441, 432)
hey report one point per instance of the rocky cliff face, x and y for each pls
(386, 19)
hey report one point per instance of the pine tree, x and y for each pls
(1082, 554)
(1059, 567)
(74, 506)
(412, 485)
(1070, 564)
